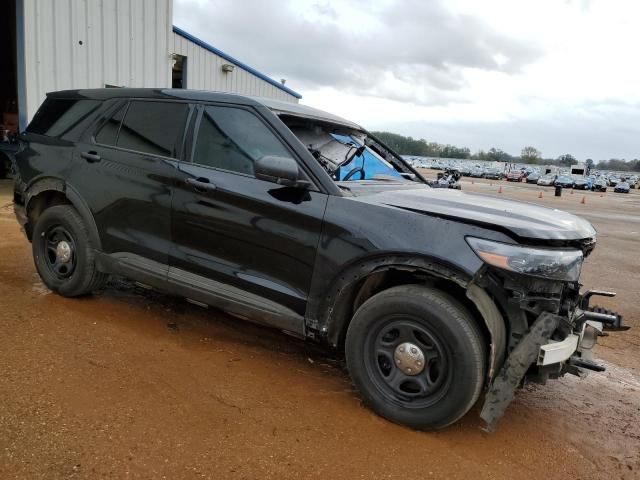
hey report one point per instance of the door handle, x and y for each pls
(91, 157)
(201, 184)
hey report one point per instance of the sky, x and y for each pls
(560, 75)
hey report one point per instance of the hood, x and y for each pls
(524, 220)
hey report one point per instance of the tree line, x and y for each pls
(421, 148)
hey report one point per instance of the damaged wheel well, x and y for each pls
(360, 289)
(40, 202)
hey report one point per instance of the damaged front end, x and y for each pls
(552, 328)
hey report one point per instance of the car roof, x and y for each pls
(277, 106)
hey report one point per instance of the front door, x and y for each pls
(249, 243)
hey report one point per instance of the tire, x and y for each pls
(76, 276)
(444, 332)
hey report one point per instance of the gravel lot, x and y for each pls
(133, 384)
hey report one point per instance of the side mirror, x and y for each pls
(281, 170)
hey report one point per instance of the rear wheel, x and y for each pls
(63, 253)
(416, 356)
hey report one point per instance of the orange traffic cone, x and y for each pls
(500, 189)
(584, 200)
(540, 195)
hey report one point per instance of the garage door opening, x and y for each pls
(8, 73)
(179, 71)
(8, 87)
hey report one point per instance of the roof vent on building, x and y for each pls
(228, 68)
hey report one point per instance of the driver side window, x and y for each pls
(233, 139)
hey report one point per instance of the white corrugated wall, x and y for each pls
(72, 44)
(204, 72)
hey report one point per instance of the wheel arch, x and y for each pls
(360, 281)
(363, 278)
(50, 191)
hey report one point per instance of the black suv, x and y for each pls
(304, 221)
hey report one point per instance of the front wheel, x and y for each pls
(416, 356)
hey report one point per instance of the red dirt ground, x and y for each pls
(133, 384)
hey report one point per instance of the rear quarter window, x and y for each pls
(148, 127)
(57, 116)
(152, 127)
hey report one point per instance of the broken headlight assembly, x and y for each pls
(551, 263)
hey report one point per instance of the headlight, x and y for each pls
(553, 263)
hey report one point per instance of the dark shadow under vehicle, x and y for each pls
(295, 218)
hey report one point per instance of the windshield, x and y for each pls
(348, 154)
(366, 163)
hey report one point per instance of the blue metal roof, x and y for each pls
(238, 63)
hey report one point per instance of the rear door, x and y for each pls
(247, 244)
(127, 168)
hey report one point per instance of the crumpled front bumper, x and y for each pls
(572, 354)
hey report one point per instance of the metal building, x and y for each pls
(69, 44)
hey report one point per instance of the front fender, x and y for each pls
(329, 313)
(494, 321)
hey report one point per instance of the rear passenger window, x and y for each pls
(152, 127)
(108, 134)
(233, 139)
(57, 116)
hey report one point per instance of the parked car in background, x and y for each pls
(613, 181)
(583, 184)
(547, 180)
(493, 174)
(599, 185)
(630, 179)
(533, 177)
(477, 172)
(465, 171)
(622, 187)
(514, 176)
(449, 179)
(564, 181)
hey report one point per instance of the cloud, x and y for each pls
(559, 75)
(325, 9)
(411, 51)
